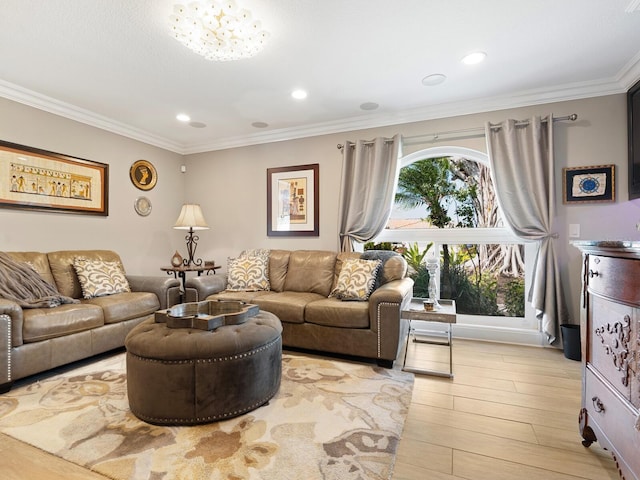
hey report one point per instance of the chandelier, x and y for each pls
(218, 30)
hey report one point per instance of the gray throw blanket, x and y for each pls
(23, 285)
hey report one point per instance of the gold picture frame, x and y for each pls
(36, 179)
(143, 175)
(293, 201)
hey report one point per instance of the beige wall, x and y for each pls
(142, 242)
(231, 186)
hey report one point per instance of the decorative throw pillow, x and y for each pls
(356, 279)
(248, 273)
(383, 256)
(250, 252)
(99, 278)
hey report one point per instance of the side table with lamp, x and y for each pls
(191, 219)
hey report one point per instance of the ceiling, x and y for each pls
(112, 64)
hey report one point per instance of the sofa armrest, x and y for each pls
(10, 336)
(385, 310)
(14, 311)
(200, 287)
(167, 289)
(396, 291)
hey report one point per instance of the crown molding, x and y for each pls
(24, 96)
(630, 73)
(625, 78)
(574, 91)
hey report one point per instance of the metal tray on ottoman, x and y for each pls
(206, 315)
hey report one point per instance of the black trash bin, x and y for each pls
(571, 341)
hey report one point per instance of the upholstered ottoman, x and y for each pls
(186, 376)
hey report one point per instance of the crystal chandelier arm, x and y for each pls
(217, 30)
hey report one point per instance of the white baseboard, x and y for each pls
(515, 336)
(500, 334)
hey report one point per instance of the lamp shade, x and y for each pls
(191, 218)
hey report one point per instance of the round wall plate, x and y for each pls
(142, 205)
(143, 175)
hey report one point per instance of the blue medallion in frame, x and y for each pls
(589, 184)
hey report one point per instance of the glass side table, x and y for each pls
(415, 312)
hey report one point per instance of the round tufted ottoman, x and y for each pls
(185, 376)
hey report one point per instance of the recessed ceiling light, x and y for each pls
(299, 94)
(434, 79)
(260, 124)
(183, 117)
(197, 124)
(369, 106)
(473, 58)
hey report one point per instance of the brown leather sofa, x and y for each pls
(300, 283)
(34, 340)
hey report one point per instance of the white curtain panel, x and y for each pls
(369, 179)
(522, 165)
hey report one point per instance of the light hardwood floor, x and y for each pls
(509, 413)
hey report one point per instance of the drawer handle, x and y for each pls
(597, 404)
(593, 273)
(637, 425)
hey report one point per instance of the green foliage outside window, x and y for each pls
(482, 279)
(473, 298)
(420, 278)
(414, 256)
(514, 298)
(383, 246)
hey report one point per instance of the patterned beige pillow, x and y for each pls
(248, 273)
(356, 279)
(99, 278)
(255, 251)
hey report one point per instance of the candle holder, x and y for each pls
(432, 268)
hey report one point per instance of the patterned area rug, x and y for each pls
(331, 420)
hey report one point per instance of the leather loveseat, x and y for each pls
(300, 285)
(34, 340)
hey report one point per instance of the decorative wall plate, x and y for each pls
(143, 175)
(142, 205)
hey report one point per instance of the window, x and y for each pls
(446, 206)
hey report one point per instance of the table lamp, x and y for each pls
(191, 219)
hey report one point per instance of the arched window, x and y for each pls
(446, 207)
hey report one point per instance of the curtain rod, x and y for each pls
(467, 132)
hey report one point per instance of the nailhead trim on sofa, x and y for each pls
(5, 379)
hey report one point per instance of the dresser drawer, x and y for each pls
(615, 417)
(616, 278)
(609, 342)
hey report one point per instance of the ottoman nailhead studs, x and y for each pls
(207, 360)
(213, 418)
(263, 343)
